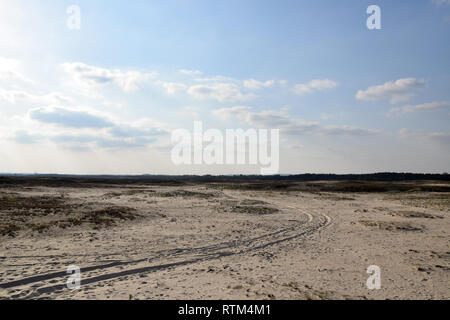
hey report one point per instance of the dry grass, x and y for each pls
(391, 225)
(41, 206)
(186, 194)
(435, 201)
(9, 229)
(40, 213)
(257, 210)
(107, 216)
(118, 194)
(251, 202)
(414, 214)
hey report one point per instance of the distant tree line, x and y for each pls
(60, 179)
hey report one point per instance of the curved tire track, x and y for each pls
(315, 222)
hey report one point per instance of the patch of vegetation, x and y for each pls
(251, 202)
(40, 213)
(41, 206)
(334, 197)
(414, 214)
(133, 192)
(186, 194)
(9, 229)
(17, 212)
(137, 192)
(41, 227)
(436, 201)
(391, 225)
(257, 210)
(113, 194)
(108, 216)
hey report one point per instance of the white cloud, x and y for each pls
(190, 72)
(286, 123)
(94, 76)
(12, 70)
(223, 92)
(83, 129)
(396, 91)
(430, 106)
(257, 85)
(16, 96)
(172, 87)
(216, 79)
(86, 142)
(70, 118)
(315, 85)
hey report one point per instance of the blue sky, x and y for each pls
(105, 98)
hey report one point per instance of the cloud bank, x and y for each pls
(395, 91)
(281, 120)
(314, 85)
(430, 106)
(92, 75)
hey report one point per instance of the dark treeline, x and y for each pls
(124, 179)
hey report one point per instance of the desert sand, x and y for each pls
(223, 241)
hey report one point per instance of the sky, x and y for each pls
(105, 98)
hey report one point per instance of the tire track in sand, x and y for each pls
(315, 222)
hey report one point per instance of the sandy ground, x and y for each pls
(201, 242)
